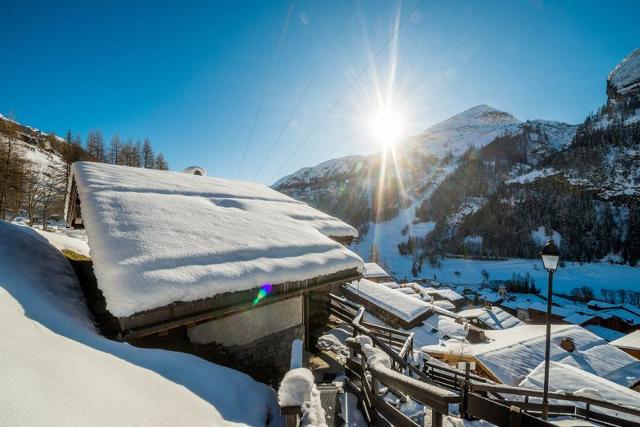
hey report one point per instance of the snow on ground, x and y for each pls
(157, 237)
(56, 369)
(397, 303)
(60, 236)
(334, 340)
(572, 275)
(567, 378)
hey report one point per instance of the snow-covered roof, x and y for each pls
(58, 370)
(372, 270)
(567, 378)
(446, 326)
(601, 304)
(578, 318)
(542, 307)
(602, 332)
(511, 354)
(391, 285)
(494, 317)
(630, 341)
(446, 293)
(624, 314)
(489, 295)
(400, 305)
(158, 237)
(446, 304)
(522, 301)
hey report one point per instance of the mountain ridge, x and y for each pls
(461, 179)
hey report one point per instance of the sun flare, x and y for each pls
(386, 127)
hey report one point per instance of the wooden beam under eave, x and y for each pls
(208, 315)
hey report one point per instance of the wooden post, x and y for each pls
(515, 416)
(291, 415)
(465, 392)
(436, 419)
(305, 317)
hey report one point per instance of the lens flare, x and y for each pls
(386, 127)
(265, 290)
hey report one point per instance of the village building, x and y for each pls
(447, 294)
(490, 318)
(390, 305)
(629, 343)
(375, 273)
(231, 271)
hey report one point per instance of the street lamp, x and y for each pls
(550, 256)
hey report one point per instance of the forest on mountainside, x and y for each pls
(592, 223)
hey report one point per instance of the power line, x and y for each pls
(341, 97)
(306, 88)
(266, 85)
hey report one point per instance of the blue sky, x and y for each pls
(193, 76)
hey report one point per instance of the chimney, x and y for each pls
(567, 344)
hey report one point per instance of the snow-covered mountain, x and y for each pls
(484, 182)
(476, 127)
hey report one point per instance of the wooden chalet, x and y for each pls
(174, 264)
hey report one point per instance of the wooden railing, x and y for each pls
(438, 386)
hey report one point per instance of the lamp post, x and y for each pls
(550, 256)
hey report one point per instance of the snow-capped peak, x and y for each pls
(626, 76)
(476, 126)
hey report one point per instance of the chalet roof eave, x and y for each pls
(193, 312)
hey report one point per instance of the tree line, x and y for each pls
(37, 190)
(136, 154)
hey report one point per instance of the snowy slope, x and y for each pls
(56, 369)
(328, 169)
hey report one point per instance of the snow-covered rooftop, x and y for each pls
(522, 301)
(624, 314)
(578, 318)
(602, 332)
(630, 341)
(495, 317)
(373, 270)
(159, 237)
(58, 370)
(446, 293)
(511, 354)
(567, 378)
(400, 305)
(489, 295)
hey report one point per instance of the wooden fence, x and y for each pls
(438, 386)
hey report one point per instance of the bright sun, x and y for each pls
(387, 127)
